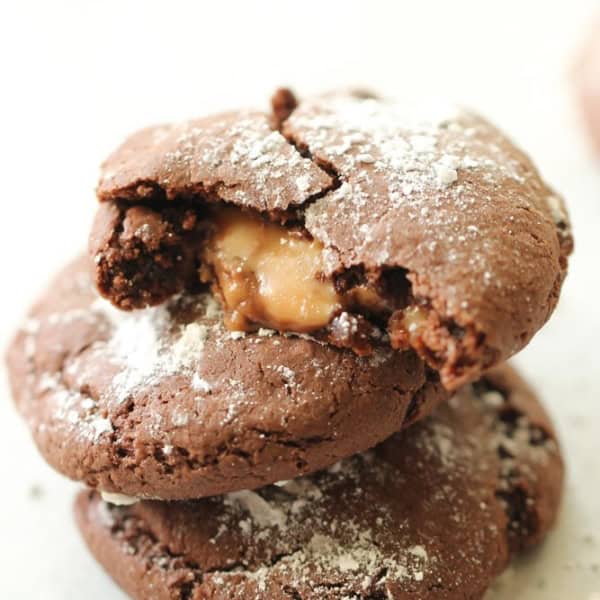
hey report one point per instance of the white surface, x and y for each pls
(77, 76)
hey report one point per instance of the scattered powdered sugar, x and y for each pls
(264, 332)
(179, 418)
(286, 373)
(333, 546)
(365, 159)
(303, 183)
(519, 441)
(30, 327)
(355, 527)
(445, 174)
(261, 512)
(212, 307)
(143, 347)
(361, 555)
(143, 344)
(100, 425)
(443, 437)
(201, 385)
(136, 344)
(345, 325)
(237, 335)
(419, 552)
(446, 169)
(189, 345)
(68, 406)
(73, 408)
(257, 166)
(302, 487)
(438, 169)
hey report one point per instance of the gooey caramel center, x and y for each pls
(269, 275)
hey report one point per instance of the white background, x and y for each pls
(77, 76)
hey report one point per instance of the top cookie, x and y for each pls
(351, 218)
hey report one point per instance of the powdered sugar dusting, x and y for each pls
(75, 409)
(261, 512)
(420, 512)
(422, 188)
(200, 384)
(153, 362)
(334, 546)
(141, 343)
(238, 155)
(375, 554)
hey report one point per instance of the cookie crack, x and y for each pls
(225, 450)
(283, 105)
(457, 357)
(280, 438)
(139, 538)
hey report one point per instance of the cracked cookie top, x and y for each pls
(167, 403)
(236, 157)
(429, 229)
(434, 512)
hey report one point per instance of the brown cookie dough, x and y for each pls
(366, 216)
(433, 513)
(167, 403)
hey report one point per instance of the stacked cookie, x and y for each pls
(270, 300)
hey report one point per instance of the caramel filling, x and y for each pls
(269, 275)
(414, 321)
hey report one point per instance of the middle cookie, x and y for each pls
(167, 403)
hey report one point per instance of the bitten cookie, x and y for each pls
(167, 403)
(433, 513)
(344, 216)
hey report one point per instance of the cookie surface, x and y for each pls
(452, 241)
(166, 403)
(435, 512)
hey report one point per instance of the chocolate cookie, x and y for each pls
(342, 216)
(167, 403)
(435, 512)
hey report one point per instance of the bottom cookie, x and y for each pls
(435, 512)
